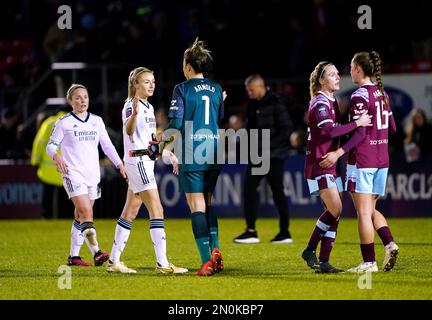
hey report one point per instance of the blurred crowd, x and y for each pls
(278, 39)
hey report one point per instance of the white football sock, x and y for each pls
(121, 237)
(77, 239)
(90, 237)
(157, 233)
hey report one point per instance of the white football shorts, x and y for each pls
(141, 176)
(77, 188)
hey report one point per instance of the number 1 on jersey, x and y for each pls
(207, 109)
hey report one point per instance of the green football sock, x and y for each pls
(213, 225)
(201, 234)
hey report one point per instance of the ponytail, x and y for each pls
(199, 57)
(376, 60)
(371, 66)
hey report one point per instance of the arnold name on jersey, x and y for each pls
(200, 87)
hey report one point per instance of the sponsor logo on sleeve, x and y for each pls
(128, 112)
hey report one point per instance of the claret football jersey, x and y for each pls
(322, 110)
(372, 152)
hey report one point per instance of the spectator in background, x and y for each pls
(54, 200)
(418, 131)
(232, 153)
(320, 28)
(266, 111)
(8, 133)
(298, 51)
(55, 43)
(298, 138)
(162, 120)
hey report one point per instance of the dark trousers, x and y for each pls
(250, 196)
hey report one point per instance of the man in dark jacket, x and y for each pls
(267, 111)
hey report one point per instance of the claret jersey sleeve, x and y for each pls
(321, 114)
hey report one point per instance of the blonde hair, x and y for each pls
(318, 73)
(133, 79)
(72, 89)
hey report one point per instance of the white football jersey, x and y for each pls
(79, 140)
(145, 126)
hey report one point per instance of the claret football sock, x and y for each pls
(368, 252)
(323, 224)
(327, 242)
(385, 234)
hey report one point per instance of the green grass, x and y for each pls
(32, 251)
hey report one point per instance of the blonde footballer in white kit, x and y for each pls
(79, 134)
(139, 124)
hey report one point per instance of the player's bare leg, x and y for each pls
(365, 210)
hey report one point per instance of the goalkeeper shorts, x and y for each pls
(198, 181)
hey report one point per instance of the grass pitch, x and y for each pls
(32, 252)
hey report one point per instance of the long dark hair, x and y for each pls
(370, 62)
